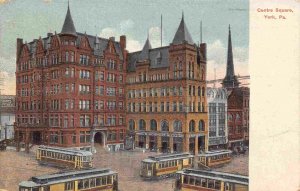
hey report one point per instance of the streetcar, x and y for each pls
(191, 179)
(214, 158)
(64, 157)
(165, 165)
(86, 179)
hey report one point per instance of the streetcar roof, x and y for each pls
(69, 151)
(215, 153)
(222, 176)
(50, 179)
(167, 157)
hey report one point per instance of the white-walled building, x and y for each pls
(217, 117)
(7, 116)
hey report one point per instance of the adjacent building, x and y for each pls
(7, 116)
(166, 95)
(217, 118)
(238, 104)
(70, 89)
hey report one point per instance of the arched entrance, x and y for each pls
(99, 138)
(36, 137)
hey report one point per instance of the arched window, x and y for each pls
(153, 125)
(131, 125)
(67, 56)
(203, 91)
(177, 126)
(201, 125)
(192, 126)
(203, 76)
(142, 125)
(199, 91)
(229, 117)
(72, 57)
(164, 125)
(237, 118)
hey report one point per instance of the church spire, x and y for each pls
(182, 34)
(230, 80)
(68, 27)
(230, 66)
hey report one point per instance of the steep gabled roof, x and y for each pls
(68, 27)
(144, 55)
(182, 34)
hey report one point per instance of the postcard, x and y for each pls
(149, 95)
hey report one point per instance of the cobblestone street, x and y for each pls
(20, 166)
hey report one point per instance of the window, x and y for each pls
(203, 91)
(150, 106)
(229, 117)
(177, 126)
(69, 186)
(142, 125)
(180, 91)
(162, 107)
(201, 125)
(131, 125)
(164, 125)
(174, 106)
(192, 126)
(153, 125)
(168, 107)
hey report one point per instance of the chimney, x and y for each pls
(19, 46)
(203, 50)
(123, 42)
(112, 38)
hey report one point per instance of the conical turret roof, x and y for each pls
(68, 27)
(182, 34)
(144, 55)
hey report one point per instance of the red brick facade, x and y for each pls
(166, 96)
(238, 116)
(69, 88)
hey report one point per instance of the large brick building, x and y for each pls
(166, 95)
(238, 104)
(71, 89)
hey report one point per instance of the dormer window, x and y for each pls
(158, 61)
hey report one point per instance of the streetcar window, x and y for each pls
(24, 189)
(217, 184)
(227, 186)
(198, 182)
(192, 180)
(98, 181)
(69, 185)
(204, 183)
(80, 184)
(210, 183)
(109, 180)
(92, 182)
(185, 179)
(104, 180)
(85, 183)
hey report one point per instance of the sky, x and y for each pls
(30, 19)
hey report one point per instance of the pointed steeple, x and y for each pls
(68, 27)
(230, 80)
(144, 55)
(182, 34)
